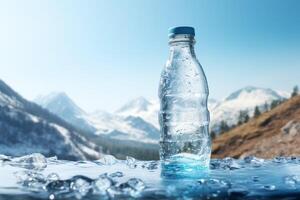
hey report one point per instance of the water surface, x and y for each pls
(37, 177)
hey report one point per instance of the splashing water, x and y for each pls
(37, 177)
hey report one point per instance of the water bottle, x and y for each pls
(183, 93)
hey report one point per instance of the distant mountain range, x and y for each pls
(119, 125)
(137, 120)
(57, 126)
(25, 128)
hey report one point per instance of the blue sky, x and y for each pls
(104, 53)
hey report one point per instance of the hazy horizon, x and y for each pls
(80, 47)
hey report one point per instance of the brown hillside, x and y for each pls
(274, 133)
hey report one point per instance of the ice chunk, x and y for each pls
(256, 162)
(136, 184)
(279, 159)
(132, 187)
(81, 185)
(58, 187)
(131, 162)
(116, 174)
(52, 177)
(103, 183)
(34, 161)
(151, 165)
(30, 179)
(226, 163)
(107, 160)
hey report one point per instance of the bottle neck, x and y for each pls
(182, 46)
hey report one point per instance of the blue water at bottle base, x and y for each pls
(37, 177)
(185, 165)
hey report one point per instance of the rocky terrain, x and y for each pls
(273, 133)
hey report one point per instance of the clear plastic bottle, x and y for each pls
(183, 93)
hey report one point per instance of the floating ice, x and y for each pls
(132, 187)
(256, 162)
(150, 165)
(33, 161)
(103, 183)
(226, 163)
(81, 185)
(53, 177)
(107, 160)
(30, 179)
(37, 177)
(116, 174)
(58, 188)
(131, 162)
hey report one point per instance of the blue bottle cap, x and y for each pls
(181, 30)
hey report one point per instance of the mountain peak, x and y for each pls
(251, 90)
(58, 102)
(139, 103)
(53, 95)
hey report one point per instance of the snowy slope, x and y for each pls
(26, 128)
(124, 128)
(141, 107)
(60, 104)
(244, 99)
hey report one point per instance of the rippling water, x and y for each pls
(37, 177)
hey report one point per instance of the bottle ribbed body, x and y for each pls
(184, 117)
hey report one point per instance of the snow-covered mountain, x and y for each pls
(244, 99)
(123, 127)
(138, 126)
(60, 104)
(26, 128)
(141, 107)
